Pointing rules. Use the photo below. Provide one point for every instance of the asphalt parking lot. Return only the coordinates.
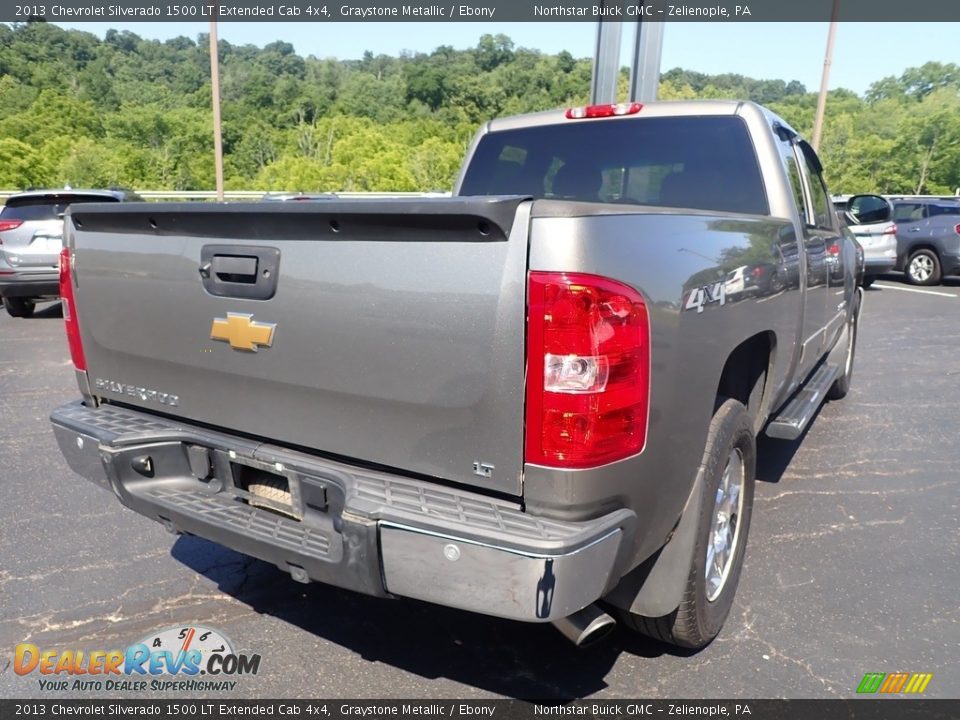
(852, 565)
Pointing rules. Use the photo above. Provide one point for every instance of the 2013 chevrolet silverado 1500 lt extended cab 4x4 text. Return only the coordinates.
(537, 399)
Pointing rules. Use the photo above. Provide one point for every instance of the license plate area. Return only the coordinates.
(268, 486)
(278, 488)
(268, 490)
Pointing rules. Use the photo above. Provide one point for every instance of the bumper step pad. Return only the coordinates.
(228, 511)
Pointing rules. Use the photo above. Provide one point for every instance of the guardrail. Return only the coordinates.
(247, 195)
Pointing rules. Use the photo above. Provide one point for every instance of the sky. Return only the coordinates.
(863, 53)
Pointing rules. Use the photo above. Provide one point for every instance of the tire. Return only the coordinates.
(19, 307)
(923, 267)
(708, 596)
(841, 386)
(867, 281)
(776, 283)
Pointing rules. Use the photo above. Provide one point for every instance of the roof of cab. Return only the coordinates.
(653, 109)
(666, 108)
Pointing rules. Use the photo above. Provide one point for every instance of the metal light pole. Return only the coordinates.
(645, 70)
(825, 78)
(606, 62)
(644, 66)
(217, 132)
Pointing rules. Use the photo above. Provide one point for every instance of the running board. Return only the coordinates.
(793, 419)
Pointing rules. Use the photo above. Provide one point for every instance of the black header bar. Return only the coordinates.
(479, 10)
(893, 708)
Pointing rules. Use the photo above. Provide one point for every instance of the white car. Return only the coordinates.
(869, 218)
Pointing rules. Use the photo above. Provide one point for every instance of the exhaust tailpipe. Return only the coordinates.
(586, 627)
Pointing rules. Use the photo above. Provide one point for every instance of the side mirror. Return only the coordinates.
(869, 209)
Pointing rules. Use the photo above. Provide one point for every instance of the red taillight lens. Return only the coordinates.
(70, 310)
(588, 370)
(9, 225)
(833, 249)
(956, 229)
(890, 229)
(602, 111)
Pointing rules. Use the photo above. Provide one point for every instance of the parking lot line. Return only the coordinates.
(906, 289)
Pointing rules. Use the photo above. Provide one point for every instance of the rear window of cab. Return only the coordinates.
(700, 162)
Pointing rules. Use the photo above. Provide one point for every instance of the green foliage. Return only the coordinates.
(19, 165)
(135, 112)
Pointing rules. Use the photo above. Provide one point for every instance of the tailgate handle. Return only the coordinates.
(240, 271)
(235, 268)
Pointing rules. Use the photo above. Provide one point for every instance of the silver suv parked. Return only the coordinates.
(31, 236)
(869, 219)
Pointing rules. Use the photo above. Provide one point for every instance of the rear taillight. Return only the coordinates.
(588, 370)
(956, 229)
(833, 249)
(70, 310)
(9, 225)
(602, 111)
(890, 229)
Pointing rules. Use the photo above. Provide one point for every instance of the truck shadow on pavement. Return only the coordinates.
(513, 659)
(774, 455)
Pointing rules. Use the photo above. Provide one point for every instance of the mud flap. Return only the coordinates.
(656, 586)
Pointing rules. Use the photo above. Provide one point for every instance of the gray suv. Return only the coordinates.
(31, 236)
(928, 238)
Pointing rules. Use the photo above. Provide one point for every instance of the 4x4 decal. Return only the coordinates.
(704, 295)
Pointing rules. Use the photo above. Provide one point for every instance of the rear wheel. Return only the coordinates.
(867, 281)
(923, 267)
(841, 386)
(776, 283)
(728, 467)
(19, 307)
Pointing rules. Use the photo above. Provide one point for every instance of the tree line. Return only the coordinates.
(129, 112)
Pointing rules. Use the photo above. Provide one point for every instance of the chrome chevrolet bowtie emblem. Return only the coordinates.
(240, 330)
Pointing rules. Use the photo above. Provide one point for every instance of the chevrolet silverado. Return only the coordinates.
(537, 399)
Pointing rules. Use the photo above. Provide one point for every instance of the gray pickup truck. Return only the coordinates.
(537, 399)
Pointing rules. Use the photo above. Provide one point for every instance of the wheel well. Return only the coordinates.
(746, 372)
(923, 246)
(920, 246)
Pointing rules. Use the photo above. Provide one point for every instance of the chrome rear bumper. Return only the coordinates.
(366, 530)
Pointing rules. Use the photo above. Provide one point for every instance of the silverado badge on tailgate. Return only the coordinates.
(242, 332)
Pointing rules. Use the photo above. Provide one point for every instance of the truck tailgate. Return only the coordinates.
(389, 332)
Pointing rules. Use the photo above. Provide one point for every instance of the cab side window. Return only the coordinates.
(796, 184)
(822, 209)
